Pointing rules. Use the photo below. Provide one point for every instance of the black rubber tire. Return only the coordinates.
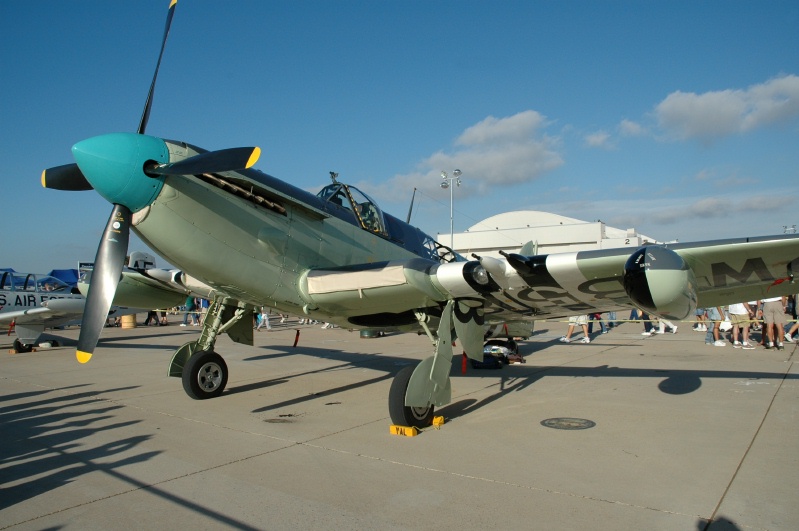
(204, 375)
(401, 414)
(21, 348)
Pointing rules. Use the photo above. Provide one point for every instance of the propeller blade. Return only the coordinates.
(105, 278)
(67, 177)
(211, 162)
(145, 117)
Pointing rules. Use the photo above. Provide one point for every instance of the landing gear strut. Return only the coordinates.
(204, 373)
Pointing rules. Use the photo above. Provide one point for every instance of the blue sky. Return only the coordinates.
(678, 118)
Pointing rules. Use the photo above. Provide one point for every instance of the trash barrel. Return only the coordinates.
(129, 321)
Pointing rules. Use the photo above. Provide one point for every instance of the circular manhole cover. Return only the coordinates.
(568, 423)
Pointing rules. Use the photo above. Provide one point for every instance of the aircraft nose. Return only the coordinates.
(114, 163)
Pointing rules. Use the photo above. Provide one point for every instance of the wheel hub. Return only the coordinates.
(419, 413)
(209, 376)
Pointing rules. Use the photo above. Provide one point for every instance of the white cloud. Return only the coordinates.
(495, 151)
(630, 128)
(502, 130)
(708, 217)
(730, 213)
(599, 139)
(710, 115)
(773, 101)
(724, 180)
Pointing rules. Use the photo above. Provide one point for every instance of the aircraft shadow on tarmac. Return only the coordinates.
(47, 444)
(350, 360)
(43, 446)
(509, 379)
(117, 342)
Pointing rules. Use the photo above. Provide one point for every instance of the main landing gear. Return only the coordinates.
(21, 348)
(427, 384)
(402, 415)
(203, 372)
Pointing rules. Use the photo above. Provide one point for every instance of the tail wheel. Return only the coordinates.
(204, 375)
(402, 415)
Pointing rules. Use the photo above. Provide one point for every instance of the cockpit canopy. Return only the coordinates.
(365, 210)
(348, 203)
(34, 283)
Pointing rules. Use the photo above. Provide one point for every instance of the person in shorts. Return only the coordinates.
(740, 315)
(774, 317)
(701, 320)
(575, 320)
(715, 315)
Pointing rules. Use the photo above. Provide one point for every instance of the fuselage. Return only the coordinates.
(251, 236)
(24, 291)
(255, 238)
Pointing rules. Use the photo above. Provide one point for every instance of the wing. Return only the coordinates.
(54, 310)
(458, 299)
(667, 280)
(141, 290)
(136, 292)
(30, 323)
(742, 270)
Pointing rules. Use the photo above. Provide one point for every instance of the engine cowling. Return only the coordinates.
(659, 281)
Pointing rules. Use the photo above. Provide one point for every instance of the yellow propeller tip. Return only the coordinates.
(83, 357)
(256, 154)
(43, 183)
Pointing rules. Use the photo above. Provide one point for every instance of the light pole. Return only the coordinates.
(448, 181)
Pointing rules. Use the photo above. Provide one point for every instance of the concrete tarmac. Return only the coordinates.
(685, 437)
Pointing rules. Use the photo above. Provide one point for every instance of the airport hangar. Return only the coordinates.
(551, 233)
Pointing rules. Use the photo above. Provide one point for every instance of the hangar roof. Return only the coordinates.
(523, 218)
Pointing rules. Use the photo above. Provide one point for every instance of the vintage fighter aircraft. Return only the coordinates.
(31, 303)
(256, 240)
